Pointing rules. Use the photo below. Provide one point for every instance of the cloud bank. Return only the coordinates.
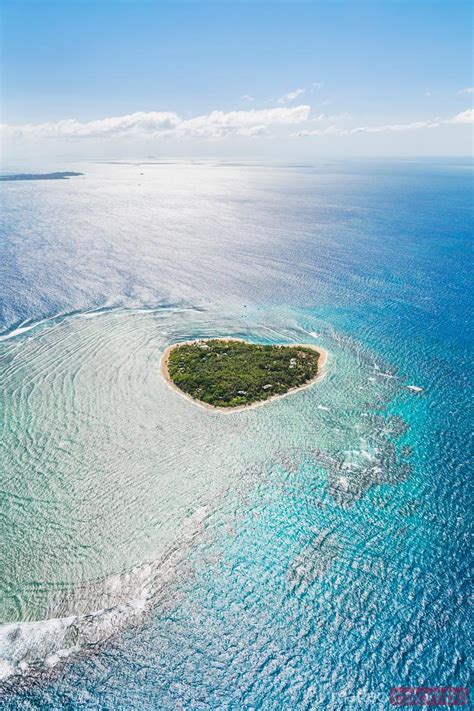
(166, 124)
(217, 125)
(465, 117)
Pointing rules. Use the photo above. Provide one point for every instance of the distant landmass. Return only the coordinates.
(40, 176)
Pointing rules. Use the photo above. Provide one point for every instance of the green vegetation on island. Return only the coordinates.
(228, 373)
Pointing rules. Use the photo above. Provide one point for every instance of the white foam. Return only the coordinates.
(27, 647)
(22, 328)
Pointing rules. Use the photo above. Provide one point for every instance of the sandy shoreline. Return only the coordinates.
(323, 357)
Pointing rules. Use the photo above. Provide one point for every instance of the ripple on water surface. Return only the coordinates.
(112, 476)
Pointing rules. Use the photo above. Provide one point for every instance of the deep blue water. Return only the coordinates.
(338, 566)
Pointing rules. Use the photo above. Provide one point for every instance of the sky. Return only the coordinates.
(250, 79)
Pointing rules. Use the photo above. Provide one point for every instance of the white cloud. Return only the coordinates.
(414, 125)
(338, 131)
(468, 90)
(216, 124)
(465, 117)
(243, 123)
(247, 97)
(139, 123)
(316, 85)
(331, 117)
(291, 96)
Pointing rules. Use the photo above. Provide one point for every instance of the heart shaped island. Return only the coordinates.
(231, 374)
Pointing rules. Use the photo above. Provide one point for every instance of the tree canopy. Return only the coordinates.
(228, 373)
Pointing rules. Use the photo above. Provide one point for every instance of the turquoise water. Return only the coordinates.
(308, 554)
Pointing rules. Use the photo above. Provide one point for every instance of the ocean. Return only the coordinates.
(311, 553)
